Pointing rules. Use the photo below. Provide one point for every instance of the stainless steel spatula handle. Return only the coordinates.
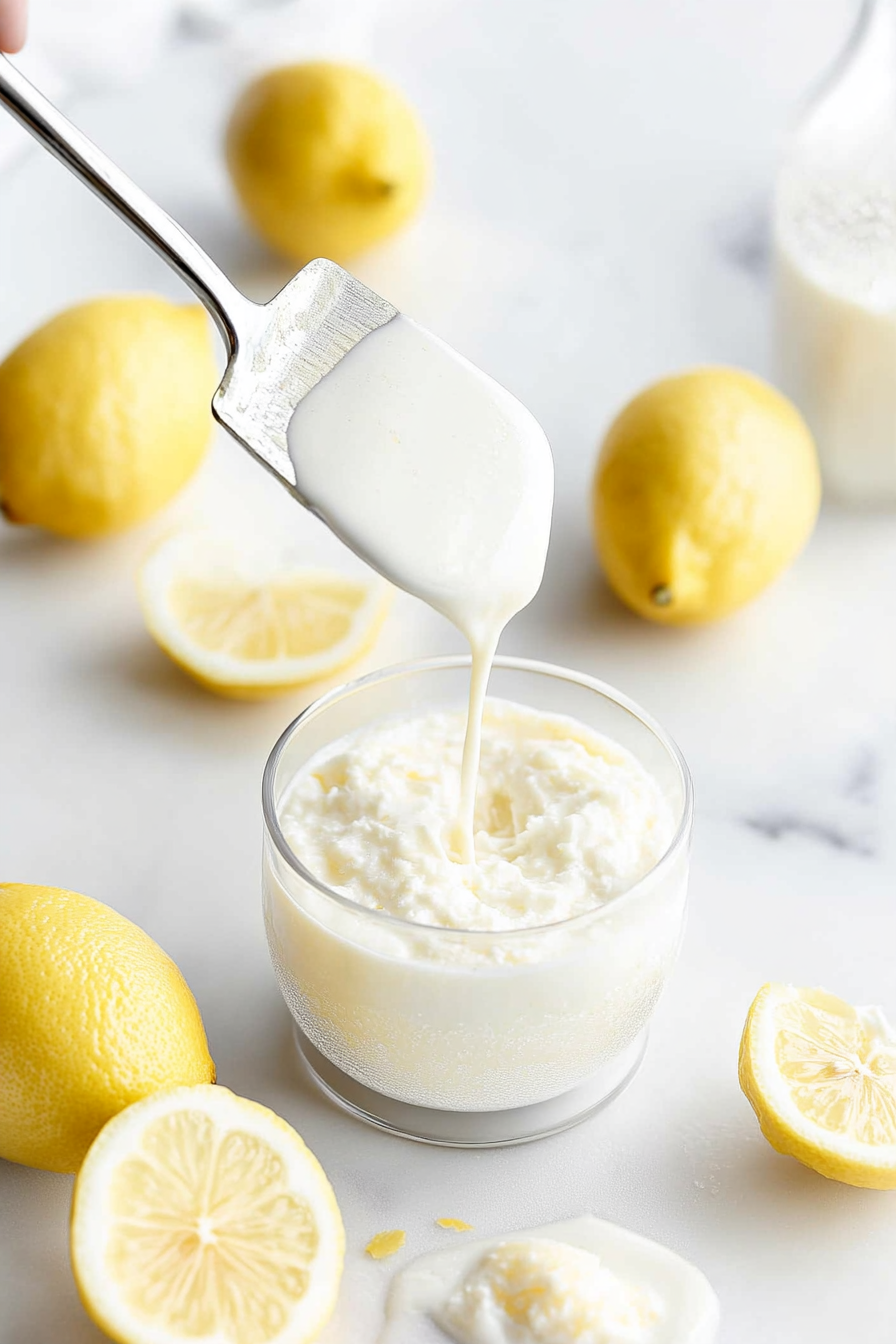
(229, 308)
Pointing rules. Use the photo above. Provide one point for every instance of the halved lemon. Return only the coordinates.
(248, 623)
(201, 1216)
(821, 1077)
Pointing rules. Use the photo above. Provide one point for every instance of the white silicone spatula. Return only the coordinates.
(276, 351)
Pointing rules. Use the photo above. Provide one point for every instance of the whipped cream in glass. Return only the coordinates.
(484, 1003)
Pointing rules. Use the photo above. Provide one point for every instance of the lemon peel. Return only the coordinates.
(93, 1016)
(706, 488)
(326, 158)
(105, 413)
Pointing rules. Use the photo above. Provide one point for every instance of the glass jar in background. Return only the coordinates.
(472, 1038)
(835, 264)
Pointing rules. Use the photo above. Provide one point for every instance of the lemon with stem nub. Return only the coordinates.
(707, 487)
(105, 412)
(327, 159)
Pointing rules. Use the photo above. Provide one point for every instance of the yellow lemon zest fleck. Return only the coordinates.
(385, 1244)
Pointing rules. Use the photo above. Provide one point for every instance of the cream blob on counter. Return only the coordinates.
(579, 1282)
(564, 820)
(438, 478)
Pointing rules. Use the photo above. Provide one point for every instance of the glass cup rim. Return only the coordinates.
(449, 663)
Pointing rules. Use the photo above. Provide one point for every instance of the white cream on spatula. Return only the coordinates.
(442, 481)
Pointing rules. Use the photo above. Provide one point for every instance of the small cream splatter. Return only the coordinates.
(385, 1244)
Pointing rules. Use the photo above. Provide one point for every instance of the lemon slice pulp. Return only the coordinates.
(250, 624)
(201, 1216)
(821, 1077)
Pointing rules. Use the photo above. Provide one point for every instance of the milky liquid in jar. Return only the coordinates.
(442, 481)
(835, 316)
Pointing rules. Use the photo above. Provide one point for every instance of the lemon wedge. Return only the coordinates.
(821, 1077)
(250, 624)
(199, 1215)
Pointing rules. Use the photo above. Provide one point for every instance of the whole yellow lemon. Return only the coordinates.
(93, 1016)
(104, 414)
(707, 487)
(326, 159)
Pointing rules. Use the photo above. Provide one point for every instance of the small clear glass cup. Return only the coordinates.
(472, 1038)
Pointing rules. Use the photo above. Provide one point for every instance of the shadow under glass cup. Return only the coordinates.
(472, 1038)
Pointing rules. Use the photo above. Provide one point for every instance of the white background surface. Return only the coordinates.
(597, 220)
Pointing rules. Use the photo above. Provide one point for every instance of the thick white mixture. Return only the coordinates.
(547, 1292)
(432, 472)
(565, 819)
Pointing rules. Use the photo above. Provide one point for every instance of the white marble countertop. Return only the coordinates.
(597, 220)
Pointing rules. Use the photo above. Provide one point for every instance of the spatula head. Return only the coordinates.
(284, 349)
